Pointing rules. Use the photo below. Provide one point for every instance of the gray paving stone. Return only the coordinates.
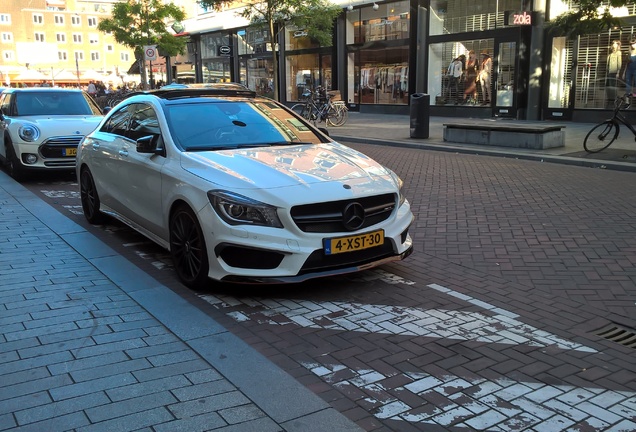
(7, 421)
(171, 370)
(119, 336)
(208, 404)
(130, 406)
(324, 420)
(60, 423)
(96, 321)
(75, 390)
(34, 362)
(110, 347)
(200, 423)
(204, 376)
(43, 350)
(241, 414)
(80, 333)
(171, 358)
(24, 402)
(7, 346)
(131, 422)
(148, 387)
(160, 339)
(35, 386)
(9, 356)
(109, 370)
(204, 389)
(154, 350)
(56, 409)
(40, 331)
(88, 362)
(128, 325)
(24, 376)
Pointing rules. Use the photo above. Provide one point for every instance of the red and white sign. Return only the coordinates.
(150, 52)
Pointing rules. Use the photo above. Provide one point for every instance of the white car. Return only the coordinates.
(42, 127)
(240, 189)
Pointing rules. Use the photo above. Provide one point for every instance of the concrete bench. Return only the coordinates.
(502, 133)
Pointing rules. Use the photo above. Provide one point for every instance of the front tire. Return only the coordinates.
(187, 248)
(302, 110)
(90, 198)
(14, 166)
(601, 136)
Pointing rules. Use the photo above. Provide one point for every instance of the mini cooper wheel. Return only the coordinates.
(90, 198)
(14, 166)
(187, 247)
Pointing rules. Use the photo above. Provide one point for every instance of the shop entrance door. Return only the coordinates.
(505, 82)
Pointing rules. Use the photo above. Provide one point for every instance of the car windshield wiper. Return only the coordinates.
(226, 147)
(284, 143)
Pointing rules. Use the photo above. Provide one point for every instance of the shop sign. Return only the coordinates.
(225, 51)
(519, 18)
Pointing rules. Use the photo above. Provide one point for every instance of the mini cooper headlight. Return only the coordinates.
(29, 133)
(239, 210)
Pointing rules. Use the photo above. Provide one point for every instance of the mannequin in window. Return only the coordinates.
(484, 77)
(470, 82)
(454, 73)
(630, 70)
(614, 65)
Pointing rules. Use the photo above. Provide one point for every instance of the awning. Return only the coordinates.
(134, 69)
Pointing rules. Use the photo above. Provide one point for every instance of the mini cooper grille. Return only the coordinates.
(331, 217)
(56, 147)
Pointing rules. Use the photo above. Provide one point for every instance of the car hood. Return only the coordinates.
(294, 165)
(62, 125)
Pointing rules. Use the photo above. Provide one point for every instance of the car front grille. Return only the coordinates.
(55, 147)
(329, 217)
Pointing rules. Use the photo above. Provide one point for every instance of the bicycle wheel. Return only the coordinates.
(601, 136)
(342, 114)
(302, 110)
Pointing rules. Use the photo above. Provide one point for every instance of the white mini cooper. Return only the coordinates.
(42, 127)
(241, 189)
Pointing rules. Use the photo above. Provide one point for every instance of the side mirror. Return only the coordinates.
(148, 144)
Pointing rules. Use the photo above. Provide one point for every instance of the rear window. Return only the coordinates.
(53, 103)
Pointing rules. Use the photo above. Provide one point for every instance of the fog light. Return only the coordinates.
(29, 158)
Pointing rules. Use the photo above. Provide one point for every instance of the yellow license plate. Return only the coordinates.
(353, 243)
(70, 152)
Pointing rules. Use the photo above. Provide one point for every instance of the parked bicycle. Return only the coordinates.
(321, 105)
(605, 133)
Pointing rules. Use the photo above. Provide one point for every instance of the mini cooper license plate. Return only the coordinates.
(353, 243)
(69, 152)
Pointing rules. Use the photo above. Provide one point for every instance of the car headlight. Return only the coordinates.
(239, 210)
(29, 133)
(399, 183)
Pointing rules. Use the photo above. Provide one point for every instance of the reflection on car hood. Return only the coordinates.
(66, 125)
(283, 166)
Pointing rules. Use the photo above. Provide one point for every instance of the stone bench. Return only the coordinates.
(503, 133)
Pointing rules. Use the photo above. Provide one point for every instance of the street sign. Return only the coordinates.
(150, 52)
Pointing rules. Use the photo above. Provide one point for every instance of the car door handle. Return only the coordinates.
(123, 152)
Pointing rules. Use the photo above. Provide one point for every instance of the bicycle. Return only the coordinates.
(318, 106)
(605, 133)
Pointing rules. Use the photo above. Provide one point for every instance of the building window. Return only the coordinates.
(77, 37)
(469, 16)
(7, 37)
(124, 57)
(110, 48)
(59, 19)
(93, 39)
(7, 55)
(94, 55)
(253, 41)
(38, 18)
(79, 55)
(92, 22)
(76, 20)
(62, 55)
(5, 19)
(39, 36)
(60, 37)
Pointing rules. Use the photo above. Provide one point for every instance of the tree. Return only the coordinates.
(586, 17)
(137, 23)
(316, 17)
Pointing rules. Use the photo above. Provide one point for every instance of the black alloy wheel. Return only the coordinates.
(90, 198)
(14, 166)
(187, 247)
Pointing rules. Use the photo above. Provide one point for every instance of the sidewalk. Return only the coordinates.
(394, 129)
(89, 342)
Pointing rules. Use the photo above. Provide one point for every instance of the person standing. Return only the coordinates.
(92, 89)
(484, 77)
(470, 82)
(614, 65)
(630, 70)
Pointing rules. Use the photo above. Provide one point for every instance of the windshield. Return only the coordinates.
(222, 124)
(53, 103)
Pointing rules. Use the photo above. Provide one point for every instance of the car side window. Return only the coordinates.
(143, 122)
(117, 123)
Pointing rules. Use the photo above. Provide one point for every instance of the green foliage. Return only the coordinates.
(136, 23)
(584, 18)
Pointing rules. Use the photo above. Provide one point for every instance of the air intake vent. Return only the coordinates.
(619, 334)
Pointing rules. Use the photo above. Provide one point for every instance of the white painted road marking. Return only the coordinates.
(394, 320)
(480, 404)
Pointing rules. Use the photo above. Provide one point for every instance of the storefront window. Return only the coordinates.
(253, 41)
(297, 39)
(378, 54)
(258, 75)
(460, 72)
(459, 17)
(216, 71)
(306, 72)
(561, 58)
